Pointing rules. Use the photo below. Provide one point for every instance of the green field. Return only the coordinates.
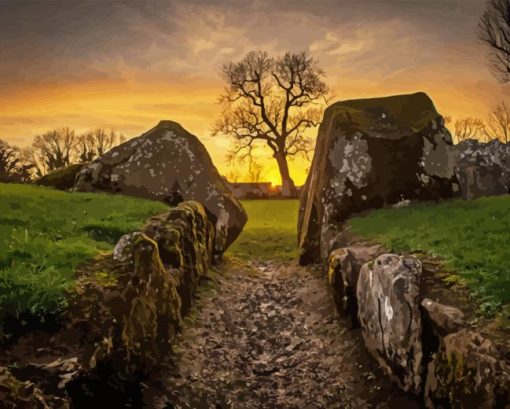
(473, 237)
(45, 234)
(270, 232)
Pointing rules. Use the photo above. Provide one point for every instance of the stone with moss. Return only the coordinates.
(372, 153)
(467, 371)
(150, 285)
(171, 165)
(185, 238)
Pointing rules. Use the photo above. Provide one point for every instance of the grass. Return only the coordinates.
(473, 237)
(270, 233)
(45, 234)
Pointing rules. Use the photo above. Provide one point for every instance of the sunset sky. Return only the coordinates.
(127, 65)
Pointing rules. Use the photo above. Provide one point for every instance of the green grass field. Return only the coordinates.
(473, 237)
(270, 232)
(45, 234)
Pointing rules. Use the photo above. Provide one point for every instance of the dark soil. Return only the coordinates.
(269, 337)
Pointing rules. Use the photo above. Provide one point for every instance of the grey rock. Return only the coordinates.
(483, 169)
(344, 266)
(168, 164)
(444, 318)
(372, 153)
(388, 310)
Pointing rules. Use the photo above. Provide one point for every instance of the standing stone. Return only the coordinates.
(372, 153)
(168, 164)
(388, 310)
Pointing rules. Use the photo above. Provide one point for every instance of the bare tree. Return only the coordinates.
(469, 128)
(96, 143)
(54, 150)
(255, 172)
(272, 102)
(498, 125)
(494, 30)
(13, 166)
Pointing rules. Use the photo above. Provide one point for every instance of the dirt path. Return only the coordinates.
(269, 337)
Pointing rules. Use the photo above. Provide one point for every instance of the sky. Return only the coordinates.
(127, 65)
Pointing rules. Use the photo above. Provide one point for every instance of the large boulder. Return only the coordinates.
(390, 318)
(371, 153)
(483, 169)
(168, 164)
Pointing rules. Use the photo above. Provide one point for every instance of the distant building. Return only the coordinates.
(253, 190)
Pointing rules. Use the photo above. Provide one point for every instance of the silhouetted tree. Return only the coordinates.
(469, 128)
(54, 150)
(494, 30)
(13, 166)
(96, 143)
(255, 172)
(272, 101)
(498, 125)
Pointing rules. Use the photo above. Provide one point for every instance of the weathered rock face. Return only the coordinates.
(156, 272)
(483, 169)
(443, 318)
(168, 164)
(185, 240)
(344, 267)
(388, 310)
(467, 372)
(371, 153)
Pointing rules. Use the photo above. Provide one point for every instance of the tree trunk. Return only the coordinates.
(288, 187)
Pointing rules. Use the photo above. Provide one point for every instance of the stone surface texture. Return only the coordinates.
(389, 314)
(168, 164)
(372, 153)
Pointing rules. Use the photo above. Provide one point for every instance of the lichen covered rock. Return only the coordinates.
(371, 153)
(168, 164)
(388, 311)
(467, 372)
(483, 169)
(159, 269)
(185, 240)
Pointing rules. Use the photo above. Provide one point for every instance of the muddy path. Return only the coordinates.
(268, 336)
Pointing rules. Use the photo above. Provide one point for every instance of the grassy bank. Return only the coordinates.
(471, 236)
(45, 234)
(270, 232)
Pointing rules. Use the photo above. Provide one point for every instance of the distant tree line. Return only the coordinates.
(497, 126)
(53, 150)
